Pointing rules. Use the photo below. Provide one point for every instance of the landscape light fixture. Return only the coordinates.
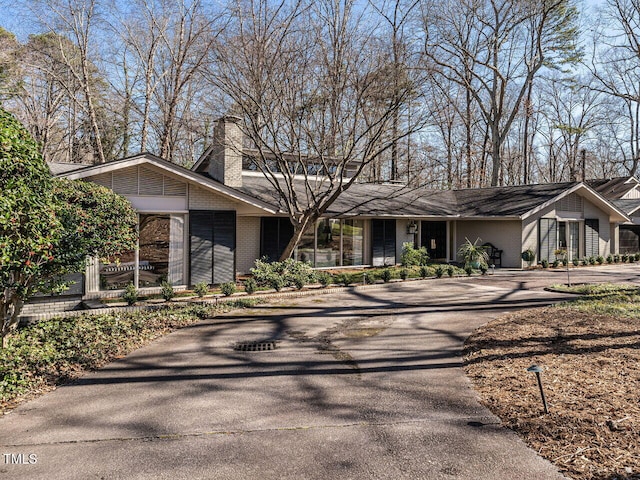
(537, 370)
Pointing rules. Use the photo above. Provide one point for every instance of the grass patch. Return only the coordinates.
(53, 352)
(596, 288)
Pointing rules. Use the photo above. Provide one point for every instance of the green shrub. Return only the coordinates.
(637, 255)
(424, 272)
(600, 259)
(451, 270)
(276, 282)
(283, 274)
(484, 268)
(130, 294)
(386, 275)
(575, 262)
(556, 263)
(592, 260)
(440, 271)
(323, 278)
(228, 288)
(250, 286)
(404, 273)
(609, 258)
(299, 281)
(624, 258)
(616, 258)
(545, 263)
(413, 257)
(166, 291)
(201, 289)
(468, 270)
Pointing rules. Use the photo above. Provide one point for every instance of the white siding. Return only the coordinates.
(201, 199)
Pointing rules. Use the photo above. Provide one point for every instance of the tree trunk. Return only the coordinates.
(298, 231)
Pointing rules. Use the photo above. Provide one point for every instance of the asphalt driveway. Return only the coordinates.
(365, 384)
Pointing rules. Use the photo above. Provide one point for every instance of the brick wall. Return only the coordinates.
(247, 243)
(201, 199)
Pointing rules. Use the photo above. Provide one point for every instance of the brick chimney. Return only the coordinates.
(225, 160)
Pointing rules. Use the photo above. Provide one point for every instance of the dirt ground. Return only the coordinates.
(591, 379)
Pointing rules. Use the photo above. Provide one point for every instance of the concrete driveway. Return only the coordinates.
(365, 384)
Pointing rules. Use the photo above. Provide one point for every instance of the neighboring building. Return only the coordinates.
(211, 223)
(624, 192)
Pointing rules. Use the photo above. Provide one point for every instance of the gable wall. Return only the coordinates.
(589, 210)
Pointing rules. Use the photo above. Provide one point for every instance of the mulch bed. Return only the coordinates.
(591, 380)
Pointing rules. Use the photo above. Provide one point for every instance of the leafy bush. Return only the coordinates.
(575, 262)
(130, 294)
(451, 270)
(386, 275)
(440, 271)
(609, 258)
(201, 289)
(468, 270)
(250, 286)
(413, 257)
(556, 263)
(624, 258)
(166, 291)
(282, 274)
(299, 281)
(616, 258)
(277, 283)
(545, 263)
(323, 278)
(404, 273)
(637, 255)
(592, 260)
(600, 259)
(228, 288)
(424, 272)
(484, 268)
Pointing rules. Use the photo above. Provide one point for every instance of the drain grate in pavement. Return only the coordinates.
(255, 346)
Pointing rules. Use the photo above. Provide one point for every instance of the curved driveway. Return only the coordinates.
(364, 384)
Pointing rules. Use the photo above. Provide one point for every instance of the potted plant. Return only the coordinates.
(473, 254)
(528, 255)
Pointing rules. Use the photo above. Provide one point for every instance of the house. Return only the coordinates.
(212, 222)
(624, 193)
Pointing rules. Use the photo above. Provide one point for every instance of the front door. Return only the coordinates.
(434, 238)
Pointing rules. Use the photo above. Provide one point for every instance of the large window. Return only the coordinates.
(160, 242)
(353, 242)
(329, 243)
(329, 240)
(153, 264)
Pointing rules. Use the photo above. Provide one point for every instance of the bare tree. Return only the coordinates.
(615, 65)
(306, 82)
(494, 49)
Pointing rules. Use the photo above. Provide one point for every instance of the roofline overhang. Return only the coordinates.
(184, 173)
(615, 214)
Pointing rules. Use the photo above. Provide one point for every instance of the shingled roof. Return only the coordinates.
(613, 188)
(379, 200)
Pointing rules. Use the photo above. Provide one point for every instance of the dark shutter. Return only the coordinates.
(201, 250)
(548, 238)
(592, 237)
(212, 246)
(275, 234)
(434, 238)
(224, 247)
(383, 242)
(390, 242)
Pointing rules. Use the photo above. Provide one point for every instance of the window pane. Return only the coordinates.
(154, 250)
(118, 274)
(305, 249)
(352, 242)
(328, 252)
